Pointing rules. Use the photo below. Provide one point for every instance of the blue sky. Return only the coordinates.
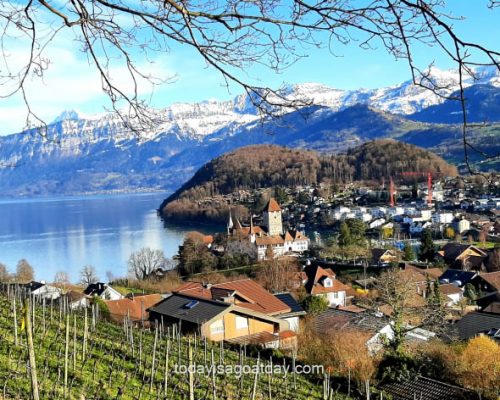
(71, 84)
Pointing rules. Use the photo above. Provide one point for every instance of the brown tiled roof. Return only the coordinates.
(413, 274)
(208, 239)
(431, 273)
(352, 308)
(269, 240)
(493, 279)
(255, 229)
(449, 288)
(261, 299)
(336, 287)
(73, 295)
(272, 205)
(315, 274)
(135, 308)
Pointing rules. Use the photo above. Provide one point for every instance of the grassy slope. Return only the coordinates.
(113, 369)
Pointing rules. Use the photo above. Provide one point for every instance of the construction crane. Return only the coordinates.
(392, 199)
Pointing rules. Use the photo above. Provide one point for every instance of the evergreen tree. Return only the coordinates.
(427, 249)
(408, 253)
(344, 235)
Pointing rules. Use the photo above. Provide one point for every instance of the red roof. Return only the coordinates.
(135, 308)
(273, 206)
(315, 277)
(493, 279)
(250, 293)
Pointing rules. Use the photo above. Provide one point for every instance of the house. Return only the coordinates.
(488, 282)
(461, 225)
(102, 290)
(479, 323)
(425, 388)
(42, 291)
(416, 228)
(457, 277)
(269, 240)
(490, 303)
(296, 311)
(382, 257)
(377, 328)
(452, 293)
(133, 309)
(323, 282)
(376, 223)
(245, 293)
(77, 300)
(463, 256)
(219, 320)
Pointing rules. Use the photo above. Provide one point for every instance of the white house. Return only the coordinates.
(102, 290)
(452, 293)
(376, 223)
(461, 225)
(42, 290)
(323, 282)
(442, 218)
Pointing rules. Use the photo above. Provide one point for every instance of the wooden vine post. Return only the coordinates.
(31, 349)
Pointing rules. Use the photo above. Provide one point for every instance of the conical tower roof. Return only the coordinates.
(272, 205)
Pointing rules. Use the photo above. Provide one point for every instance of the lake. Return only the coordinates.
(65, 234)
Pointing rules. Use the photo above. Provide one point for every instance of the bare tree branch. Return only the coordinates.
(231, 36)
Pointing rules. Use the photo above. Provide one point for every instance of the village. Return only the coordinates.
(420, 270)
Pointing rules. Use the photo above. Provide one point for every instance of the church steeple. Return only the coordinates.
(230, 223)
(252, 232)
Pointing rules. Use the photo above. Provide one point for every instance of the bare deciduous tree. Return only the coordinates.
(4, 273)
(61, 278)
(24, 271)
(88, 275)
(145, 261)
(398, 290)
(230, 36)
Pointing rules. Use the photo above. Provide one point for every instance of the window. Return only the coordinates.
(241, 322)
(217, 327)
(327, 282)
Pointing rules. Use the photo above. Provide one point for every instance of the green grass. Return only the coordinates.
(116, 368)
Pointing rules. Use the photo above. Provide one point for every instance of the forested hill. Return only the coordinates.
(268, 165)
(385, 158)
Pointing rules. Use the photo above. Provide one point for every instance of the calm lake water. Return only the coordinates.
(64, 234)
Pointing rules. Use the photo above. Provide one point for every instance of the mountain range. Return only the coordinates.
(98, 154)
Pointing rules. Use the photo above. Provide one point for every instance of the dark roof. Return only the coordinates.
(203, 310)
(452, 250)
(377, 253)
(475, 323)
(490, 303)
(32, 286)
(95, 289)
(288, 299)
(425, 389)
(334, 318)
(457, 275)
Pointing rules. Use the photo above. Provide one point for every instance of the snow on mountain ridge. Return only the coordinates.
(198, 120)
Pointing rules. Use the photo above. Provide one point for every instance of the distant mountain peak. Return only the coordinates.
(67, 115)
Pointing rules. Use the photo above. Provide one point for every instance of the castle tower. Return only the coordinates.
(272, 218)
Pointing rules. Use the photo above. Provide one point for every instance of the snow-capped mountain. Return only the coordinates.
(99, 153)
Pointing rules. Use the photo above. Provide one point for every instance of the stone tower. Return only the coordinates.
(272, 218)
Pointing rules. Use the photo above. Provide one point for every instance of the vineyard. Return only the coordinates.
(50, 352)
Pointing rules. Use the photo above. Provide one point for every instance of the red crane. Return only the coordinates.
(391, 193)
(429, 182)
